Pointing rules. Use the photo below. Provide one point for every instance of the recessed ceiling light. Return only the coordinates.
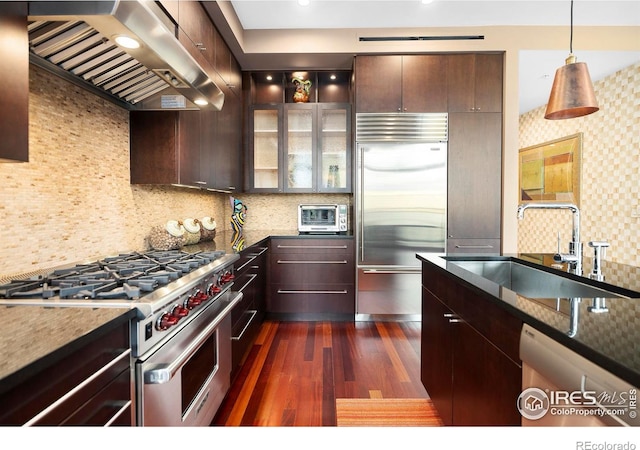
(333, 77)
(126, 42)
(269, 78)
(201, 102)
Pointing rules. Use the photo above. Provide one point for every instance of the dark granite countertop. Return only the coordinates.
(610, 339)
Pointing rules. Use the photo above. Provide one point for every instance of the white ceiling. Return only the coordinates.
(282, 14)
(536, 67)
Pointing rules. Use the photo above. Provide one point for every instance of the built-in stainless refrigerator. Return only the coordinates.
(401, 209)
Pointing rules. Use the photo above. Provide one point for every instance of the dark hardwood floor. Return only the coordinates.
(295, 371)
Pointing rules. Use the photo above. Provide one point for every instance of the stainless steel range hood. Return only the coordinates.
(76, 39)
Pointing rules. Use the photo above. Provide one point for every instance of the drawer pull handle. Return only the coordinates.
(287, 261)
(474, 246)
(249, 261)
(117, 415)
(343, 247)
(287, 291)
(253, 315)
(392, 272)
(253, 277)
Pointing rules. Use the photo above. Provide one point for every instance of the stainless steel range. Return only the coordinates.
(181, 338)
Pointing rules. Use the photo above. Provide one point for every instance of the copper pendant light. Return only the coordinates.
(572, 91)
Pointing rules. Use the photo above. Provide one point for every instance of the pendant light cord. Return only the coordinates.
(571, 32)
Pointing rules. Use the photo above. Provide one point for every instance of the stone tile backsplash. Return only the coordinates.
(72, 201)
(610, 201)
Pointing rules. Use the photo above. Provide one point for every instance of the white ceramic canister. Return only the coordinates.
(207, 229)
(192, 231)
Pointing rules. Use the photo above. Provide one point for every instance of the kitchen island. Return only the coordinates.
(610, 339)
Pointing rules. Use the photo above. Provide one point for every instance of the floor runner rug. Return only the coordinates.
(386, 412)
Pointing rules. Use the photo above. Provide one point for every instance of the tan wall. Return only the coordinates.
(610, 185)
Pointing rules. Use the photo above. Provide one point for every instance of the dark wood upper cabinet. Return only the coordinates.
(474, 176)
(197, 33)
(378, 86)
(401, 83)
(189, 148)
(424, 83)
(193, 148)
(475, 82)
(14, 89)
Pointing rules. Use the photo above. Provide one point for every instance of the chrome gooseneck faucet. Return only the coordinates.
(574, 257)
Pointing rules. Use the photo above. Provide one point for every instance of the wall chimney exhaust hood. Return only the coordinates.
(76, 40)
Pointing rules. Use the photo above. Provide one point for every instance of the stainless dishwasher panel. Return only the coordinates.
(578, 392)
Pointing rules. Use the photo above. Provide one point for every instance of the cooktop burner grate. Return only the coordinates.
(126, 276)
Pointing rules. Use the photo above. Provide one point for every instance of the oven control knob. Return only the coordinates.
(166, 321)
(226, 277)
(192, 302)
(214, 289)
(201, 296)
(179, 311)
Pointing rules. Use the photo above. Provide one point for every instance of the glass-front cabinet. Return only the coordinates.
(300, 147)
(334, 148)
(267, 135)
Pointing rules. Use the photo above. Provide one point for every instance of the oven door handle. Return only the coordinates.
(164, 372)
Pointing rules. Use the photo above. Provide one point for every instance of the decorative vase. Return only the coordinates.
(302, 90)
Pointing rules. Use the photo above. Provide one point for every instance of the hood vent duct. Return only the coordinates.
(75, 39)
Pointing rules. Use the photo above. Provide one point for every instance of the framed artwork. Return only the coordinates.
(550, 172)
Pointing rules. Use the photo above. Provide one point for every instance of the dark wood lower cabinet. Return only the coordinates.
(469, 360)
(247, 316)
(436, 357)
(311, 278)
(91, 386)
(486, 383)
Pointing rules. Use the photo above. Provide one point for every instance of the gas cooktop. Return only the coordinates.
(126, 280)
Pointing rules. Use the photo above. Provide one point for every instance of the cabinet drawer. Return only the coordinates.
(111, 406)
(319, 298)
(311, 268)
(326, 246)
(479, 246)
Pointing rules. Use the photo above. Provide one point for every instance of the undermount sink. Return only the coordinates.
(529, 281)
